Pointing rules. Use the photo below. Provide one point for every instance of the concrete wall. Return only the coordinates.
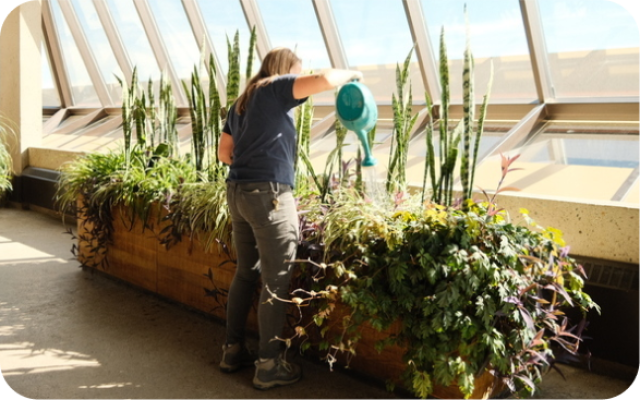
(21, 79)
(604, 230)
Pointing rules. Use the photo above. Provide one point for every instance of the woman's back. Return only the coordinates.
(264, 136)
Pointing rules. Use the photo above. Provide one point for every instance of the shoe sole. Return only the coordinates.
(264, 386)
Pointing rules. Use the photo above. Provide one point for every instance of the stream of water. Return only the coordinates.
(373, 185)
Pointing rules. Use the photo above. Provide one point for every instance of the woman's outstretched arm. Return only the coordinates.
(307, 85)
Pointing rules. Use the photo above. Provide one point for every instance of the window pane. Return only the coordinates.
(574, 160)
(177, 35)
(82, 88)
(493, 132)
(293, 24)
(496, 34)
(592, 47)
(50, 97)
(135, 40)
(223, 18)
(375, 35)
(100, 47)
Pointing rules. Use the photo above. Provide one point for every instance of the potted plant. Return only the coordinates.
(136, 219)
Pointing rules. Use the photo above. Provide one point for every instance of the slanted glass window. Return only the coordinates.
(576, 160)
(493, 132)
(223, 18)
(592, 47)
(293, 24)
(100, 47)
(376, 37)
(134, 39)
(497, 36)
(82, 88)
(177, 35)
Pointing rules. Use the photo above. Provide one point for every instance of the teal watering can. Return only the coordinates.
(357, 111)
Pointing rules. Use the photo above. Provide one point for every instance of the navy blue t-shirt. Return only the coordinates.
(264, 136)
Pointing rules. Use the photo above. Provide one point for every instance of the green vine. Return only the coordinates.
(472, 291)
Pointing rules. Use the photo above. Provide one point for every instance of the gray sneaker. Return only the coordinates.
(275, 372)
(236, 356)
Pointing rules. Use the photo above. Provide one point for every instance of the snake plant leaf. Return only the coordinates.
(233, 77)
(468, 110)
(405, 72)
(444, 85)
(250, 53)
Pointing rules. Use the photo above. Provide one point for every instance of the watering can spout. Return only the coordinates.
(357, 110)
(368, 160)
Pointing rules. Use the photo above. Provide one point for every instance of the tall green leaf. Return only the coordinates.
(252, 47)
(468, 107)
(233, 77)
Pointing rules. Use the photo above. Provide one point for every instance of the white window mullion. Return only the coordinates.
(85, 52)
(537, 50)
(423, 48)
(159, 48)
(329, 29)
(114, 38)
(194, 15)
(252, 14)
(58, 67)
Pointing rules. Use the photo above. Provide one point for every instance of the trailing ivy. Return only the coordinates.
(473, 292)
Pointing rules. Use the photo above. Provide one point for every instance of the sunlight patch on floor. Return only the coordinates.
(23, 358)
(14, 252)
(108, 385)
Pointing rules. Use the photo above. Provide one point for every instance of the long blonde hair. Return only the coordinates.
(277, 62)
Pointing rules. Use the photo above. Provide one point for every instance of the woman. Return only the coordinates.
(259, 144)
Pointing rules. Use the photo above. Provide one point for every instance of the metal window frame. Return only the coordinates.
(52, 123)
(626, 186)
(424, 49)
(58, 67)
(81, 122)
(115, 40)
(87, 55)
(537, 50)
(201, 34)
(330, 34)
(159, 48)
(521, 132)
(254, 18)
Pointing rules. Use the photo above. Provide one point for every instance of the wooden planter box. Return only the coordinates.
(180, 273)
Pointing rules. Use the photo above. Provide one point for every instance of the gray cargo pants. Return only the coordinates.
(265, 234)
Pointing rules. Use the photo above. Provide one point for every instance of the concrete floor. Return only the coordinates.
(66, 333)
